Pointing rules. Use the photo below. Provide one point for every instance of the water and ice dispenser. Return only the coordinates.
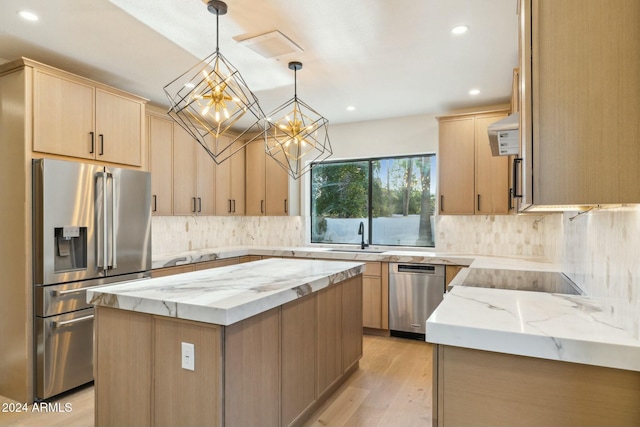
(70, 248)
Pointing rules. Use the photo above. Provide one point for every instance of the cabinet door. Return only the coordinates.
(230, 184)
(161, 151)
(118, 129)
(224, 204)
(277, 188)
(184, 177)
(456, 166)
(252, 371)
(238, 180)
(298, 357)
(586, 103)
(329, 320)
(63, 114)
(255, 178)
(205, 186)
(351, 321)
(491, 172)
(372, 302)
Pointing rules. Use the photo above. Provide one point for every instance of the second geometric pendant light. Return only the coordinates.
(298, 134)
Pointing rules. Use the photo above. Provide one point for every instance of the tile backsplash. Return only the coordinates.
(186, 233)
(601, 253)
(501, 235)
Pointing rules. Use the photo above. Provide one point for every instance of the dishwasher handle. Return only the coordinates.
(416, 268)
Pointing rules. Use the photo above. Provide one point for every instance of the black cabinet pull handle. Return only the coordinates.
(199, 204)
(155, 203)
(510, 199)
(194, 204)
(261, 206)
(101, 136)
(516, 162)
(229, 206)
(92, 143)
(234, 206)
(478, 204)
(286, 210)
(441, 203)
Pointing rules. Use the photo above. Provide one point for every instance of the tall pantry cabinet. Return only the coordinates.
(47, 112)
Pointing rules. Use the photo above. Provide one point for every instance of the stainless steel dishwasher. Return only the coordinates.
(415, 290)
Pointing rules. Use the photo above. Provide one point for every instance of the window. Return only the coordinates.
(393, 197)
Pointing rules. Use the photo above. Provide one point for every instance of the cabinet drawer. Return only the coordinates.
(372, 269)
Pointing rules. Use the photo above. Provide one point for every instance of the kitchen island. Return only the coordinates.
(261, 343)
(523, 358)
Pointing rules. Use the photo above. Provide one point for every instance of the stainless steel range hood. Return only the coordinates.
(504, 136)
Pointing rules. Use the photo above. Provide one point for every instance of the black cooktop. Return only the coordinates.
(536, 281)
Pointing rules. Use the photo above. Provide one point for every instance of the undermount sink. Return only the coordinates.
(364, 251)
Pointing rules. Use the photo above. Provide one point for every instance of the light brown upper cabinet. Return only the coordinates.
(74, 117)
(193, 176)
(160, 137)
(267, 185)
(580, 104)
(230, 182)
(471, 180)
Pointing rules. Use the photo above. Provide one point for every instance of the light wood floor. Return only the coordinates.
(391, 388)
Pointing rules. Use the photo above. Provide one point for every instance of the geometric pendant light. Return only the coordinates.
(211, 97)
(298, 135)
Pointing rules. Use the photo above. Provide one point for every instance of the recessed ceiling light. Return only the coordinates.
(29, 16)
(460, 29)
(351, 108)
(474, 91)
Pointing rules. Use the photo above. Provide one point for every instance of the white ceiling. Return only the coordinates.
(386, 58)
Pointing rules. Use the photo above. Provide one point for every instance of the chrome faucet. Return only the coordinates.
(361, 233)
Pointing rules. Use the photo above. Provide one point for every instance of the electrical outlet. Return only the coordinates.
(188, 356)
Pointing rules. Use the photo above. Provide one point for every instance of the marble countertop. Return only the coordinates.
(561, 327)
(351, 253)
(225, 295)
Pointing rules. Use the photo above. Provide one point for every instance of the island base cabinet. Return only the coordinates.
(122, 370)
(201, 388)
(481, 388)
(271, 369)
(252, 371)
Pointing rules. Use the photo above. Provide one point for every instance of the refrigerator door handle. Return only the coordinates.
(101, 221)
(113, 255)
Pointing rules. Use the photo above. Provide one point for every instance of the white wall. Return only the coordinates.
(381, 138)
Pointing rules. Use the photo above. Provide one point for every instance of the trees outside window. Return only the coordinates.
(393, 197)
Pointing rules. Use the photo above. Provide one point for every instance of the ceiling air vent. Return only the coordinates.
(273, 44)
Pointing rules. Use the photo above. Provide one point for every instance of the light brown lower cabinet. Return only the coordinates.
(482, 388)
(169, 271)
(272, 369)
(375, 296)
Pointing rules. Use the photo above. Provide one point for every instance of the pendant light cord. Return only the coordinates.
(217, 31)
(295, 83)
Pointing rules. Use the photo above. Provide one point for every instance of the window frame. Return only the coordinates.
(369, 221)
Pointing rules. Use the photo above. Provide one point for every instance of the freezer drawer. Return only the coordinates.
(415, 290)
(64, 352)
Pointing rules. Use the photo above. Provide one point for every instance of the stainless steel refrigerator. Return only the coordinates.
(91, 226)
